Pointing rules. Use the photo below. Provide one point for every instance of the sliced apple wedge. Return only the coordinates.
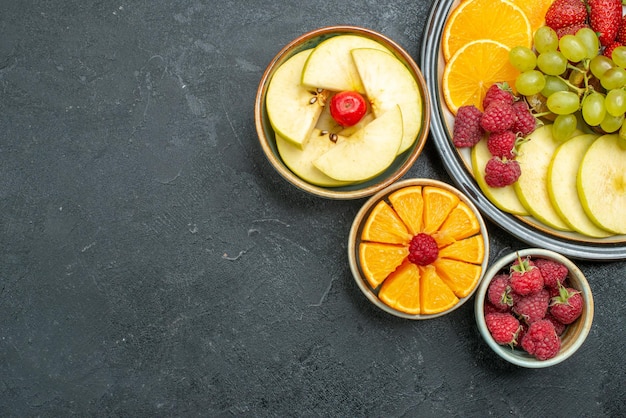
(504, 198)
(532, 186)
(367, 153)
(562, 188)
(292, 109)
(300, 160)
(389, 83)
(602, 183)
(331, 67)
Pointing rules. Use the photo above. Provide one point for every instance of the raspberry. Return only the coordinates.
(499, 292)
(525, 122)
(467, 130)
(423, 249)
(502, 144)
(499, 92)
(553, 272)
(567, 306)
(503, 327)
(490, 308)
(541, 340)
(534, 307)
(608, 51)
(559, 327)
(501, 173)
(525, 278)
(498, 117)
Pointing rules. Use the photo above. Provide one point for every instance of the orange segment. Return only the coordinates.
(379, 260)
(472, 70)
(460, 276)
(499, 20)
(535, 11)
(384, 225)
(408, 204)
(461, 223)
(470, 249)
(438, 203)
(436, 295)
(401, 290)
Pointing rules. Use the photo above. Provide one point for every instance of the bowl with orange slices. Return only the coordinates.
(342, 112)
(418, 249)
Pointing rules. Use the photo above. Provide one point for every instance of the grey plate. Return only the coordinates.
(455, 166)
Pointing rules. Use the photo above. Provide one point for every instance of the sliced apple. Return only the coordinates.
(389, 83)
(504, 198)
(532, 186)
(602, 183)
(367, 153)
(300, 160)
(331, 67)
(292, 109)
(562, 188)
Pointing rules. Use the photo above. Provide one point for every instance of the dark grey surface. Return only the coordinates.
(153, 264)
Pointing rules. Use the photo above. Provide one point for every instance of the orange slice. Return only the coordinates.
(408, 204)
(436, 295)
(461, 223)
(384, 225)
(535, 11)
(470, 249)
(459, 276)
(379, 260)
(499, 20)
(438, 203)
(472, 70)
(401, 290)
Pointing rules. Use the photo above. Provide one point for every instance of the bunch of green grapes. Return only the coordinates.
(573, 80)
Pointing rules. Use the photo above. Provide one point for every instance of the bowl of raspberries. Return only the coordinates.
(534, 308)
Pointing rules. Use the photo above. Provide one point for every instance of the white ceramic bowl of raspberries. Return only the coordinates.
(534, 308)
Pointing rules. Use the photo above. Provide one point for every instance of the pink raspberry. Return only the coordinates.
(525, 278)
(501, 173)
(541, 340)
(559, 327)
(498, 92)
(502, 144)
(525, 122)
(567, 306)
(503, 327)
(499, 292)
(423, 249)
(498, 117)
(533, 307)
(467, 130)
(553, 272)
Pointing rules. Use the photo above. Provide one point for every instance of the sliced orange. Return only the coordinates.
(438, 203)
(384, 225)
(470, 249)
(472, 70)
(408, 203)
(401, 290)
(459, 276)
(499, 20)
(379, 260)
(461, 223)
(436, 295)
(535, 11)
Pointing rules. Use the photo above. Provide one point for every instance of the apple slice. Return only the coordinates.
(504, 198)
(532, 186)
(562, 188)
(300, 160)
(367, 153)
(602, 183)
(292, 109)
(331, 67)
(389, 83)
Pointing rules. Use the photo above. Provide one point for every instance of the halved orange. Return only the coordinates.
(472, 70)
(459, 276)
(499, 20)
(401, 290)
(436, 295)
(408, 203)
(379, 260)
(470, 249)
(438, 203)
(384, 225)
(461, 223)
(535, 11)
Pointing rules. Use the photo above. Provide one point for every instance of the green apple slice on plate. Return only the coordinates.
(532, 186)
(562, 188)
(389, 83)
(292, 109)
(601, 183)
(504, 198)
(331, 67)
(367, 152)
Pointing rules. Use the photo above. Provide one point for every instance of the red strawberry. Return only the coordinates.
(467, 130)
(571, 29)
(526, 278)
(563, 13)
(605, 17)
(503, 327)
(502, 144)
(499, 92)
(567, 306)
(499, 292)
(533, 307)
(498, 117)
(553, 272)
(541, 340)
(501, 173)
(621, 33)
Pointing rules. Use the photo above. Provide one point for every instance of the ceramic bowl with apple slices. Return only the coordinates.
(331, 154)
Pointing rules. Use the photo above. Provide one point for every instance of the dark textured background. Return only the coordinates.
(153, 264)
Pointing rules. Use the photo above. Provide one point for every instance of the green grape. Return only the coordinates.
(546, 39)
(622, 136)
(615, 102)
(613, 78)
(563, 102)
(564, 127)
(522, 58)
(611, 123)
(593, 109)
(530, 82)
(599, 65)
(552, 63)
(553, 84)
(573, 48)
(590, 40)
(619, 56)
